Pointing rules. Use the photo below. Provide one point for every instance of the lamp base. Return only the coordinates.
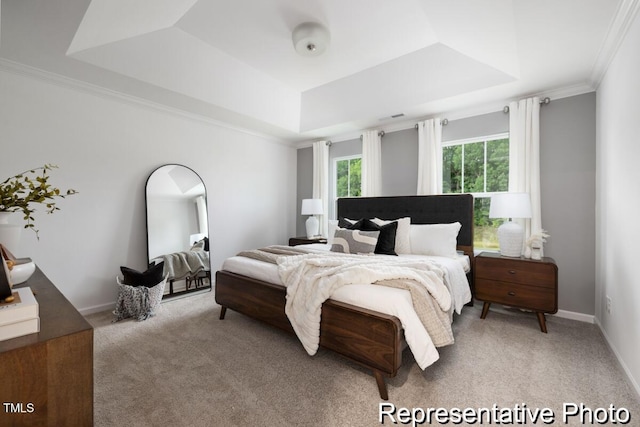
(510, 238)
(313, 226)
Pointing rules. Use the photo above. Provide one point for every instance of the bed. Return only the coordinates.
(192, 266)
(368, 337)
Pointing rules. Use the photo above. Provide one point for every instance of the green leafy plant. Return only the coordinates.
(21, 192)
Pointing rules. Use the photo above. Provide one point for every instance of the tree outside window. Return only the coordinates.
(348, 174)
(479, 166)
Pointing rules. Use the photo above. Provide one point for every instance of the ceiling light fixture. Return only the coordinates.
(310, 39)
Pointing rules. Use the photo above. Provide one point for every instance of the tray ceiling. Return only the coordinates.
(235, 62)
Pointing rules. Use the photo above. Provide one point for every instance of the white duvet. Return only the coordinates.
(392, 301)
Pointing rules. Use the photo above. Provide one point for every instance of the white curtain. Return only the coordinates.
(524, 157)
(321, 182)
(201, 208)
(371, 164)
(429, 157)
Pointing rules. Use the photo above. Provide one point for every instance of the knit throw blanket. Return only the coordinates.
(271, 254)
(139, 302)
(179, 265)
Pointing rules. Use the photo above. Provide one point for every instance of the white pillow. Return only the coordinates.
(333, 224)
(434, 239)
(403, 238)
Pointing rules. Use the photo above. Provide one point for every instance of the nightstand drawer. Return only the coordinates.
(531, 297)
(515, 271)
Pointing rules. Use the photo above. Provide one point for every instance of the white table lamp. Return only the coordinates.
(195, 238)
(510, 234)
(312, 207)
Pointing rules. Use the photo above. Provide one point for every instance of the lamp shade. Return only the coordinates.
(311, 206)
(195, 238)
(510, 205)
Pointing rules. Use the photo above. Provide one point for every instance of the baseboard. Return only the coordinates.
(112, 305)
(588, 318)
(97, 308)
(634, 384)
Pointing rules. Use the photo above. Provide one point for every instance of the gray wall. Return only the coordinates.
(472, 127)
(568, 182)
(305, 186)
(567, 162)
(399, 163)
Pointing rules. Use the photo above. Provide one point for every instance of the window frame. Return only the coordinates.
(502, 135)
(476, 195)
(334, 175)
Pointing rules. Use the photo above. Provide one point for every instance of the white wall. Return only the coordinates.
(105, 148)
(618, 204)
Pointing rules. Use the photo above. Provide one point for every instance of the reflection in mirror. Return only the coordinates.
(178, 228)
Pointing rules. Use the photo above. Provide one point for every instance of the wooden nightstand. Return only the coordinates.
(303, 240)
(517, 282)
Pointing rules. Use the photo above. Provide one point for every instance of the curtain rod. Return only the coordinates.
(380, 134)
(444, 123)
(544, 101)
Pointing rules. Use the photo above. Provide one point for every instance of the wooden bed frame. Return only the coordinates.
(372, 339)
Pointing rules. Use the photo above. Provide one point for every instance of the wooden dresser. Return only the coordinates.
(517, 282)
(46, 379)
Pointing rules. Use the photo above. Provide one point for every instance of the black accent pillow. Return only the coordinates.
(206, 244)
(386, 240)
(343, 223)
(149, 278)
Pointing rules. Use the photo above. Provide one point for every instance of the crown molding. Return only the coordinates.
(625, 14)
(92, 89)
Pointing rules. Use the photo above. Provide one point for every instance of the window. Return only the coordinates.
(347, 176)
(479, 166)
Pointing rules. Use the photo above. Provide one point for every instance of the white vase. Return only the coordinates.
(9, 233)
(536, 252)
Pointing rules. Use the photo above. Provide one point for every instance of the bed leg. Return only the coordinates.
(382, 386)
(223, 311)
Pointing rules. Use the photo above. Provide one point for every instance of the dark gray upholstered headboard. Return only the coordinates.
(422, 210)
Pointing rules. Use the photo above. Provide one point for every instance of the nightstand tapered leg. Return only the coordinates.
(485, 309)
(542, 322)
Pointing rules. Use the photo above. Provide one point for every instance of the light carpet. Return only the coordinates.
(185, 367)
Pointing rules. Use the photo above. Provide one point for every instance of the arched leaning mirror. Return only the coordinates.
(178, 228)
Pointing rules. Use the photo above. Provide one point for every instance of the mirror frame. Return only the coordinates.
(172, 293)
